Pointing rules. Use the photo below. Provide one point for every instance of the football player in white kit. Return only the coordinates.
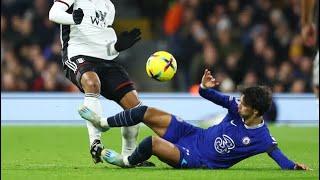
(90, 48)
(309, 32)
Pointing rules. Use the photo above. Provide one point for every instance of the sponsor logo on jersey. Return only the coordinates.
(224, 144)
(99, 19)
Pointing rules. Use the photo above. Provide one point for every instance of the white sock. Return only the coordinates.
(104, 122)
(129, 139)
(126, 161)
(92, 102)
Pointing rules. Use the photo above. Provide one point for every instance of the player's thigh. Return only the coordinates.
(165, 151)
(115, 84)
(77, 67)
(157, 120)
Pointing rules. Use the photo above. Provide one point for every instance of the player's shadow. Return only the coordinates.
(172, 169)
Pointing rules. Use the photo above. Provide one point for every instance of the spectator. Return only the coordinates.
(208, 58)
(298, 86)
(250, 79)
(242, 41)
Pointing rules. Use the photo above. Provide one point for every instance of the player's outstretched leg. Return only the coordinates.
(92, 117)
(155, 119)
(90, 83)
(157, 146)
(142, 153)
(125, 118)
(113, 157)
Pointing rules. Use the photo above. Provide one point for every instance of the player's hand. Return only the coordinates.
(208, 81)
(77, 15)
(127, 39)
(308, 34)
(299, 166)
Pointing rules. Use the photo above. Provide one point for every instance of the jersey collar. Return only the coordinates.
(253, 127)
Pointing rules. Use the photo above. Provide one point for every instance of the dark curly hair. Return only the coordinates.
(258, 97)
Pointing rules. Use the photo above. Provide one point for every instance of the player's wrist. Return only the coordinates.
(203, 86)
(295, 166)
(112, 49)
(118, 46)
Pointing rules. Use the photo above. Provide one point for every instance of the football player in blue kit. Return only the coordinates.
(241, 134)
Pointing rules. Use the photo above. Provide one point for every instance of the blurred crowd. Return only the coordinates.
(243, 42)
(30, 48)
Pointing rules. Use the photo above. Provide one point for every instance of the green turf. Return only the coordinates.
(62, 153)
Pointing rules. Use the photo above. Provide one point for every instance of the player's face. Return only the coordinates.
(244, 110)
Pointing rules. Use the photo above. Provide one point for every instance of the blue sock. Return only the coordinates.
(128, 117)
(142, 153)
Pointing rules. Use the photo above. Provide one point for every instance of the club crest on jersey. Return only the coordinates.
(246, 140)
(223, 145)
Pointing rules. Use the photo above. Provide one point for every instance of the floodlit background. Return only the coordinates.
(243, 42)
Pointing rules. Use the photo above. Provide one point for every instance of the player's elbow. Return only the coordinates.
(201, 91)
(52, 15)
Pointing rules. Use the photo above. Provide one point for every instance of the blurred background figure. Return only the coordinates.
(309, 32)
(242, 42)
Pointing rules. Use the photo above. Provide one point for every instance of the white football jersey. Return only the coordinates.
(94, 36)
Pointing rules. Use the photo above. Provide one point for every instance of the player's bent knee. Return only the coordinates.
(150, 114)
(91, 84)
(165, 151)
(157, 118)
(155, 142)
(147, 115)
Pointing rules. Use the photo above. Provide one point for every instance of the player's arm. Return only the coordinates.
(206, 91)
(276, 154)
(59, 15)
(127, 39)
(307, 9)
(308, 30)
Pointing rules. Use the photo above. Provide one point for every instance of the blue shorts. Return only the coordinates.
(184, 136)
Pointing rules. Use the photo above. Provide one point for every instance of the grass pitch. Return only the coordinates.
(62, 152)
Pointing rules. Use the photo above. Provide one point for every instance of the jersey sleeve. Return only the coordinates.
(58, 12)
(282, 160)
(228, 102)
(276, 154)
(68, 3)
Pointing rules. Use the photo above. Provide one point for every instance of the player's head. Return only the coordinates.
(254, 101)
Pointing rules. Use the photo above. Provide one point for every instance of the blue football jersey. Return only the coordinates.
(231, 141)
